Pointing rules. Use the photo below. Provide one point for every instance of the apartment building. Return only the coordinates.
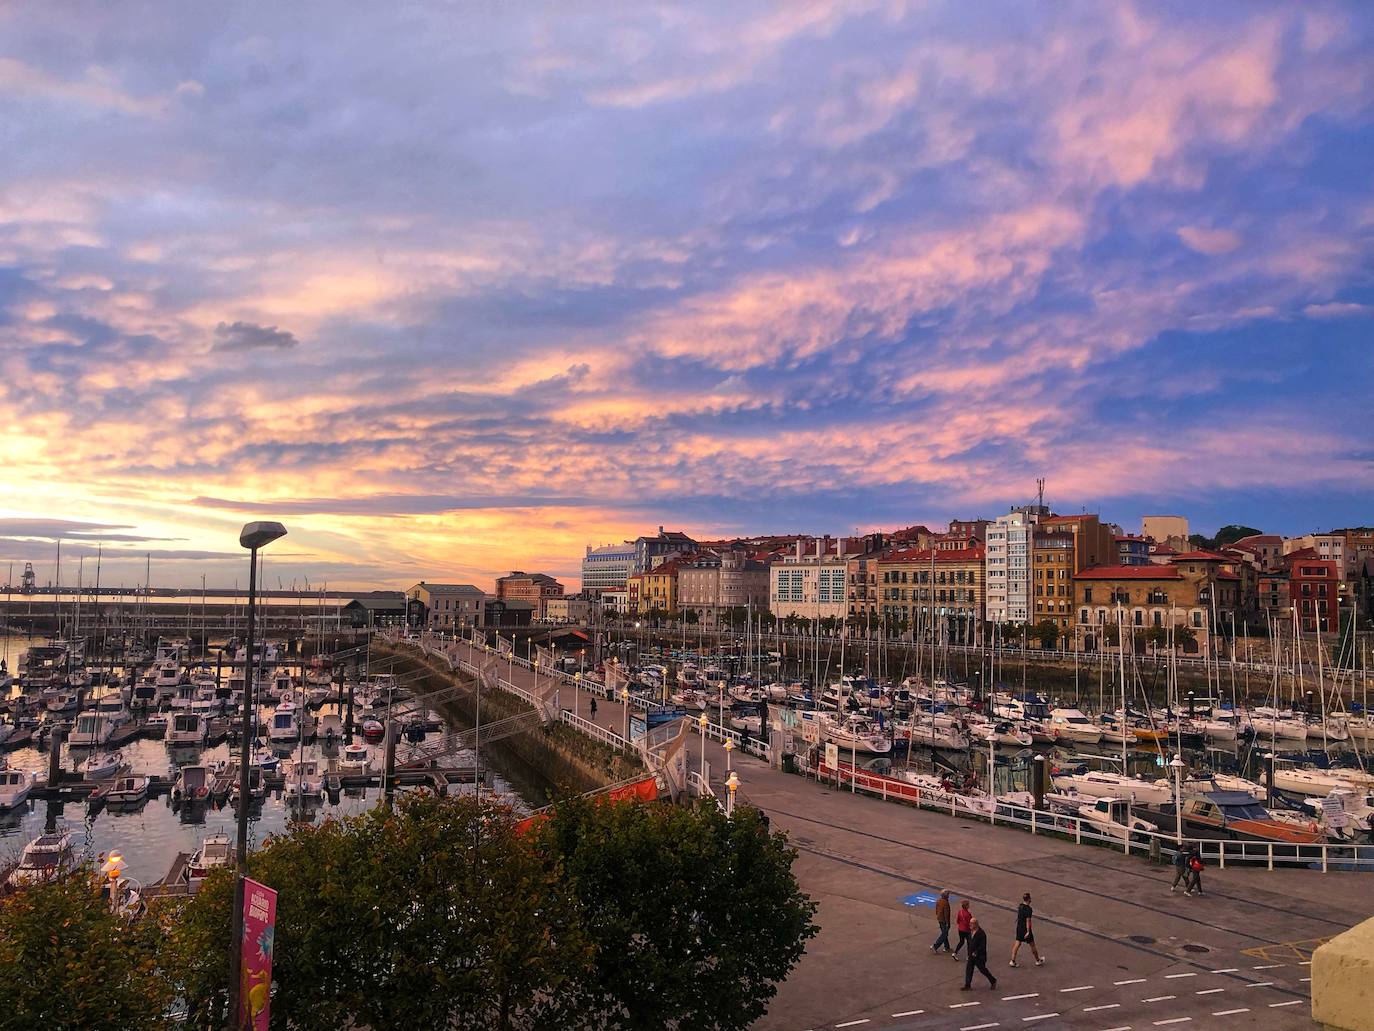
(608, 567)
(923, 587)
(534, 588)
(1008, 554)
(711, 585)
(1052, 570)
(811, 586)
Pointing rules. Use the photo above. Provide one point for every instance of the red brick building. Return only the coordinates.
(1314, 586)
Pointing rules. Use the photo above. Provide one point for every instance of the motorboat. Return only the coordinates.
(192, 784)
(91, 731)
(214, 853)
(935, 730)
(286, 724)
(1113, 816)
(373, 731)
(1345, 814)
(188, 728)
(45, 858)
(114, 709)
(1095, 784)
(1072, 725)
(688, 675)
(156, 725)
(122, 791)
(15, 786)
(268, 762)
(690, 699)
(855, 734)
(144, 694)
(257, 787)
(356, 761)
(1021, 710)
(1229, 815)
(748, 695)
(329, 729)
(167, 678)
(303, 779)
(63, 702)
(749, 723)
(103, 765)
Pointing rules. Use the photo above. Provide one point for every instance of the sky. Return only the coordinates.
(457, 288)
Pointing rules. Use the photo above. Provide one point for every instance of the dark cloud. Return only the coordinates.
(248, 336)
(391, 504)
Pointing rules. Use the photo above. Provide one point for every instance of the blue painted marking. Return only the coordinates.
(922, 898)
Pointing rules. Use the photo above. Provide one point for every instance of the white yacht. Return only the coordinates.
(91, 730)
(303, 779)
(15, 786)
(188, 728)
(1003, 732)
(112, 707)
(286, 723)
(1072, 725)
(103, 766)
(46, 857)
(215, 851)
(1270, 723)
(855, 734)
(192, 784)
(935, 730)
(356, 761)
(1108, 784)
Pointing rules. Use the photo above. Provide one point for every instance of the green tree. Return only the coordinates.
(1185, 637)
(1046, 632)
(695, 916)
(691, 617)
(71, 963)
(1012, 632)
(1157, 636)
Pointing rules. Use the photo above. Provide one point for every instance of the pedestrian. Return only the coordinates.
(942, 918)
(962, 922)
(1181, 868)
(593, 708)
(977, 957)
(1195, 865)
(1025, 931)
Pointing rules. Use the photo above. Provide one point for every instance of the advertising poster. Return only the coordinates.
(259, 923)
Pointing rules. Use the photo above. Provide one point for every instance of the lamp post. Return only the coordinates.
(731, 782)
(113, 867)
(253, 536)
(701, 724)
(625, 707)
(1177, 765)
(729, 747)
(577, 689)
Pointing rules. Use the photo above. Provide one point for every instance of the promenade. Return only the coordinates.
(1122, 951)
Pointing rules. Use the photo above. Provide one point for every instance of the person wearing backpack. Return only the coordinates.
(1195, 872)
(1180, 868)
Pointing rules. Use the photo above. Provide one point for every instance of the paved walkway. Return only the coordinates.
(1122, 951)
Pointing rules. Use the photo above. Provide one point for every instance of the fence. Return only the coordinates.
(1325, 857)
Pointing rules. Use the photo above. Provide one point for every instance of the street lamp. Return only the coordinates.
(253, 536)
(1177, 766)
(729, 747)
(625, 706)
(577, 689)
(701, 723)
(731, 782)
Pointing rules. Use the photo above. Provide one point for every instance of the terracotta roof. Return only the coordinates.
(1130, 573)
(1076, 518)
(1162, 549)
(923, 555)
(1228, 576)
(1198, 556)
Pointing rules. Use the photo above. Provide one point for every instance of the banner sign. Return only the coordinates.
(255, 951)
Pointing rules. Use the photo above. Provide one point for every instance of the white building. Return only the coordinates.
(1328, 546)
(1008, 564)
(607, 568)
(809, 586)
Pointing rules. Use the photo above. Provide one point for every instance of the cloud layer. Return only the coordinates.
(459, 289)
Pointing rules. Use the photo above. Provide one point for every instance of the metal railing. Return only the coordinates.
(1324, 857)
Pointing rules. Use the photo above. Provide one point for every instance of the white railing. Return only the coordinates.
(608, 737)
(1040, 821)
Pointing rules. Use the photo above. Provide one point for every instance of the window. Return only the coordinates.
(1088, 595)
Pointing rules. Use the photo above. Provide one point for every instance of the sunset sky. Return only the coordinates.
(455, 288)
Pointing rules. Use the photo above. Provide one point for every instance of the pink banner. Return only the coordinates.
(259, 926)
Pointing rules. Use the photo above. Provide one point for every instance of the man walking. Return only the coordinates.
(1195, 865)
(1025, 931)
(963, 921)
(942, 918)
(977, 957)
(1180, 868)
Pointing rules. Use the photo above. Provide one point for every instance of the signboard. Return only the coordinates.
(637, 726)
(832, 755)
(1334, 813)
(255, 952)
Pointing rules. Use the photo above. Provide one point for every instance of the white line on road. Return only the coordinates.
(1268, 966)
(1210, 991)
(1028, 995)
(1159, 998)
(853, 1023)
(1080, 988)
(1134, 980)
(961, 1005)
(1226, 970)
(1170, 977)
(1291, 1002)
(977, 1027)
(1038, 1016)
(1304, 979)
(1227, 1013)
(1107, 1006)
(1259, 984)
(909, 1013)
(1123, 1027)
(1176, 1020)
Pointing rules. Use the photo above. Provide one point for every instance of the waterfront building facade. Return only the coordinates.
(1008, 564)
(608, 567)
(712, 585)
(809, 586)
(922, 587)
(448, 607)
(535, 588)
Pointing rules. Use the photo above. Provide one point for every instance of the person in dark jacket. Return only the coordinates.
(1180, 868)
(963, 921)
(942, 918)
(977, 957)
(1195, 865)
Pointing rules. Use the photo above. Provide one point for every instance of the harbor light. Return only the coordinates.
(729, 747)
(731, 782)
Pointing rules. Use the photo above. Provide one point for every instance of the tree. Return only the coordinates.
(691, 617)
(69, 962)
(1157, 636)
(1185, 637)
(1047, 632)
(694, 916)
(1012, 632)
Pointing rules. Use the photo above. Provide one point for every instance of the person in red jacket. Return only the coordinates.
(963, 920)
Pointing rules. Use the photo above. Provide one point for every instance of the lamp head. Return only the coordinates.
(732, 781)
(701, 720)
(258, 534)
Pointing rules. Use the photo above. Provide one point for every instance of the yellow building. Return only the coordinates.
(1052, 570)
(658, 588)
(918, 587)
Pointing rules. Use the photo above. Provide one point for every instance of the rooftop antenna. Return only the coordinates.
(1040, 492)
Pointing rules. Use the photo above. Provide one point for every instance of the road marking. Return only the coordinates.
(1134, 980)
(1160, 998)
(1268, 966)
(1170, 977)
(909, 1013)
(1123, 1027)
(1108, 1006)
(1259, 984)
(961, 1005)
(1304, 979)
(1210, 991)
(1227, 1013)
(1176, 1020)
(1012, 998)
(1226, 970)
(1291, 1002)
(852, 1023)
(1080, 988)
(978, 1027)
(1039, 1016)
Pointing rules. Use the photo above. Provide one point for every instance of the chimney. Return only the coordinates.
(799, 547)
(839, 548)
(820, 548)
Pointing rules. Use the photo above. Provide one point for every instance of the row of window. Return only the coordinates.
(1138, 617)
(952, 595)
(922, 576)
